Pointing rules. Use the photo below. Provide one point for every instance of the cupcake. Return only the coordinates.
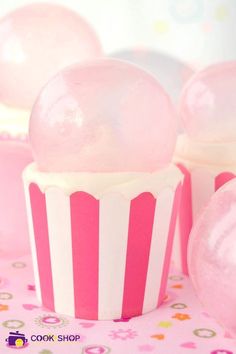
(206, 153)
(102, 195)
(35, 42)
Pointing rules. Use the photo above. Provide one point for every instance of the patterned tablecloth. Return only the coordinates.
(180, 326)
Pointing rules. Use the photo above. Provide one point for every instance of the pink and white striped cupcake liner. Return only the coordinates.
(199, 183)
(102, 256)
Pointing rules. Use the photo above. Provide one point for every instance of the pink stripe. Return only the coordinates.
(223, 178)
(185, 216)
(39, 215)
(141, 219)
(171, 233)
(85, 237)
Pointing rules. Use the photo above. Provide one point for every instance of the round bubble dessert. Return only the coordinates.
(102, 194)
(169, 71)
(36, 41)
(207, 149)
(211, 257)
(107, 116)
(207, 108)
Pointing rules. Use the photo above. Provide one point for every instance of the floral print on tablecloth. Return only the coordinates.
(179, 326)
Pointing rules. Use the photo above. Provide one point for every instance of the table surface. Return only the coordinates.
(179, 326)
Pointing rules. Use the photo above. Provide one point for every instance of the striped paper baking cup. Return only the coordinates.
(101, 254)
(198, 186)
(206, 167)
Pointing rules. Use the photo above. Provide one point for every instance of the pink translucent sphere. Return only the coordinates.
(212, 257)
(36, 41)
(103, 116)
(208, 104)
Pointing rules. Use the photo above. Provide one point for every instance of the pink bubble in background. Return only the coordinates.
(208, 104)
(36, 41)
(169, 71)
(104, 116)
(212, 257)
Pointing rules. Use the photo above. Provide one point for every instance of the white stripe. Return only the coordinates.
(32, 241)
(203, 186)
(113, 236)
(158, 248)
(176, 257)
(59, 230)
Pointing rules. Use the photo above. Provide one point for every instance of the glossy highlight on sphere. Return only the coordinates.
(103, 116)
(208, 104)
(212, 257)
(36, 41)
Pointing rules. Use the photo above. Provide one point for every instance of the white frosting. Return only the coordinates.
(98, 184)
(13, 121)
(204, 153)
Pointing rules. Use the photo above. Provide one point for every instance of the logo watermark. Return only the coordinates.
(18, 340)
